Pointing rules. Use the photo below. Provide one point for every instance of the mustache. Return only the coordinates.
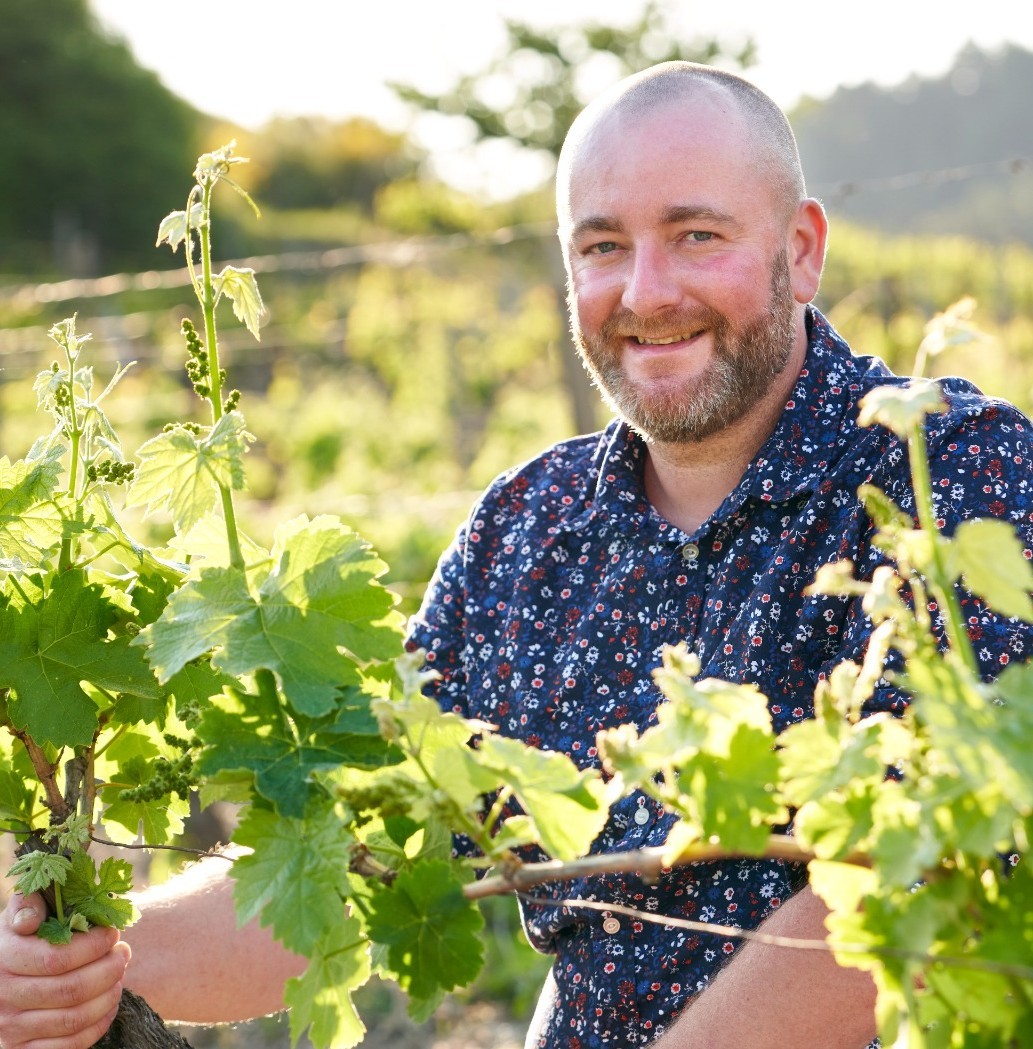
(624, 324)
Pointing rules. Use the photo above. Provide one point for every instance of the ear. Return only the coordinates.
(808, 233)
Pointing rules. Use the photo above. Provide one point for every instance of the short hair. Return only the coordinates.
(670, 82)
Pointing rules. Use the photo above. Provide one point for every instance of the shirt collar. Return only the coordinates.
(818, 418)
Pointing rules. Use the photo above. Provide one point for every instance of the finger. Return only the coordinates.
(25, 914)
(77, 1028)
(67, 990)
(32, 956)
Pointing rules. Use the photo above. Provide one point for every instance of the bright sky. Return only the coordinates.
(253, 60)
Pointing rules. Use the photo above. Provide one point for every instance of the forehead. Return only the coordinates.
(635, 161)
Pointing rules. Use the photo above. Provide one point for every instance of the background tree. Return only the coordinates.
(93, 144)
(310, 162)
(543, 78)
(944, 155)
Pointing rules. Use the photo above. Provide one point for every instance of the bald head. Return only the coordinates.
(681, 86)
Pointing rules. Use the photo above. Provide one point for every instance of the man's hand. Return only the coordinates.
(56, 997)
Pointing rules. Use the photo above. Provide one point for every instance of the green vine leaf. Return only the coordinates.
(320, 1000)
(215, 165)
(182, 472)
(56, 932)
(296, 878)
(16, 798)
(242, 288)
(733, 794)
(155, 573)
(431, 929)
(994, 567)
(98, 895)
(835, 825)
(174, 228)
(568, 806)
(47, 650)
(194, 686)
(319, 602)
(246, 731)
(206, 542)
(198, 617)
(901, 408)
(39, 870)
(30, 522)
(73, 834)
(822, 755)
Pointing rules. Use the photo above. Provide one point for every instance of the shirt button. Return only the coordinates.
(611, 925)
(641, 816)
(690, 553)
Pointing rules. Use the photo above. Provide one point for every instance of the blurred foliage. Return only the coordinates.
(532, 93)
(879, 291)
(419, 207)
(974, 118)
(93, 145)
(312, 162)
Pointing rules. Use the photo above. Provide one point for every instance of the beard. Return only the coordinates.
(746, 359)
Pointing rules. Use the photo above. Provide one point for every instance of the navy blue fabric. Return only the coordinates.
(549, 613)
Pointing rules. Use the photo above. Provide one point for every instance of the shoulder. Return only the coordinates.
(561, 480)
(843, 373)
(969, 410)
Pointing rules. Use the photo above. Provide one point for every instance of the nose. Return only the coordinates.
(651, 285)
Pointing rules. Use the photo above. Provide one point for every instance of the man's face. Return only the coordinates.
(743, 359)
(681, 294)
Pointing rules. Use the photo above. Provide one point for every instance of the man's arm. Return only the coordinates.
(189, 961)
(769, 997)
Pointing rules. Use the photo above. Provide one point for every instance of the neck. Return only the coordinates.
(687, 481)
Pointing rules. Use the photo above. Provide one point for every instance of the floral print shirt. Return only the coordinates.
(548, 614)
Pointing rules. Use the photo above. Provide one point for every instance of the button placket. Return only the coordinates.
(611, 925)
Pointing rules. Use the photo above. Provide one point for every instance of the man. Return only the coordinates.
(699, 515)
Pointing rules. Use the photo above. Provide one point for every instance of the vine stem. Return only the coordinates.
(207, 299)
(1016, 972)
(75, 434)
(648, 863)
(46, 773)
(495, 815)
(953, 620)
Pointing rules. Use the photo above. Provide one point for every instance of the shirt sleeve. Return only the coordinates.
(438, 628)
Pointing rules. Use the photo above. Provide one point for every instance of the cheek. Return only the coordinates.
(733, 289)
(593, 298)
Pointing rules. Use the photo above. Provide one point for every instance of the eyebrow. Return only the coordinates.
(596, 224)
(671, 216)
(678, 213)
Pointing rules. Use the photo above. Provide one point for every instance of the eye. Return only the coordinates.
(699, 236)
(604, 247)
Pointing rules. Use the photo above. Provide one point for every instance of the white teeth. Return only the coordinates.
(662, 342)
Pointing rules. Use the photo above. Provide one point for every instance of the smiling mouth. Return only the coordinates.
(643, 341)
